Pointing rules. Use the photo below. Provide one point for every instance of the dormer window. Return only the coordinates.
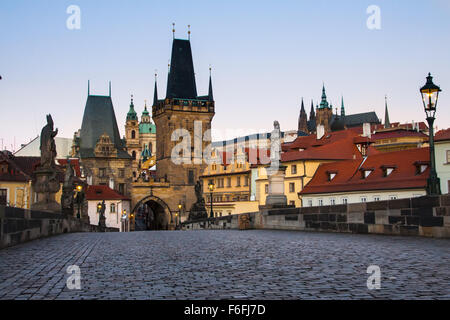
(365, 172)
(387, 170)
(331, 175)
(421, 166)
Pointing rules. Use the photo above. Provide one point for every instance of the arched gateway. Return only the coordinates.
(152, 213)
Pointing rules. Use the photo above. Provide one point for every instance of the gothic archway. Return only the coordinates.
(152, 213)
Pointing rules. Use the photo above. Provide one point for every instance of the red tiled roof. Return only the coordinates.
(442, 135)
(337, 145)
(103, 193)
(349, 178)
(19, 168)
(397, 134)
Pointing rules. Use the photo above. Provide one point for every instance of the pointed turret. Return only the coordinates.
(181, 79)
(342, 107)
(387, 123)
(312, 119)
(210, 90)
(155, 94)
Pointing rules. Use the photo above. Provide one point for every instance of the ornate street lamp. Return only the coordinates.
(430, 95)
(211, 189)
(79, 189)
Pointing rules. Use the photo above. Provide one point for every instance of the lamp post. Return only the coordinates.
(178, 215)
(211, 189)
(79, 199)
(430, 95)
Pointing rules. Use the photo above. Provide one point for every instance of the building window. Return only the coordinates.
(133, 154)
(376, 198)
(228, 182)
(294, 169)
(102, 172)
(448, 156)
(310, 203)
(392, 197)
(246, 181)
(191, 177)
(112, 208)
(333, 201)
(320, 202)
(121, 173)
(122, 188)
(292, 203)
(344, 201)
(238, 181)
(3, 196)
(292, 187)
(133, 134)
(363, 199)
(266, 187)
(214, 167)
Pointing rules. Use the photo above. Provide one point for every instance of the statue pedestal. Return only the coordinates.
(46, 185)
(198, 212)
(276, 197)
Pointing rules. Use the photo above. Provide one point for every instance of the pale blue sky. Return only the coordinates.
(266, 56)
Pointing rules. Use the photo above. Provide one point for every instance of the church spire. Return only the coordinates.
(155, 94)
(342, 107)
(131, 115)
(302, 120)
(210, 90)
(324, 102)
(387, 123)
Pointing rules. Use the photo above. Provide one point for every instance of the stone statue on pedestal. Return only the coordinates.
(67, 196)
(276, 171)
(45, 178)
(198, 209)
(102, 218)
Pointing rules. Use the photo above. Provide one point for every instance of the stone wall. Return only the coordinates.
(20, 225)
(424, 216)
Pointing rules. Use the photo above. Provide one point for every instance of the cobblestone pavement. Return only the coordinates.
(226, 265)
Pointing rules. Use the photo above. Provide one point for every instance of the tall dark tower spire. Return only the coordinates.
(342, 107)
(387, 123)
(155, 94)
(302, 120)
(210, 90)
(181, 80)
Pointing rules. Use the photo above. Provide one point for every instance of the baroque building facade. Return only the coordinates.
(140, 137)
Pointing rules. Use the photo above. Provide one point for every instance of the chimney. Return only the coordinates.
(320, 131)
(366, 130)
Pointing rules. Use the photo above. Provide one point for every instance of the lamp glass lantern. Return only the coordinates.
(430, 95)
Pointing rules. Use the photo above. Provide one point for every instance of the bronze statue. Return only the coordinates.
(199, 192)
(48, 146)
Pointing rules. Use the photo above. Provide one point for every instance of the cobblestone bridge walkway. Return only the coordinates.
(226, 265)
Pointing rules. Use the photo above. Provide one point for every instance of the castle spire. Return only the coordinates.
(324, 102)
(89, 90)
(387, 123)
(342, 107)
(210, 90)
(302, 120)
(110, 88)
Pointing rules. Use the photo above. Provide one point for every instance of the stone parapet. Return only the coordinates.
(21, 225)
(427, 216)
